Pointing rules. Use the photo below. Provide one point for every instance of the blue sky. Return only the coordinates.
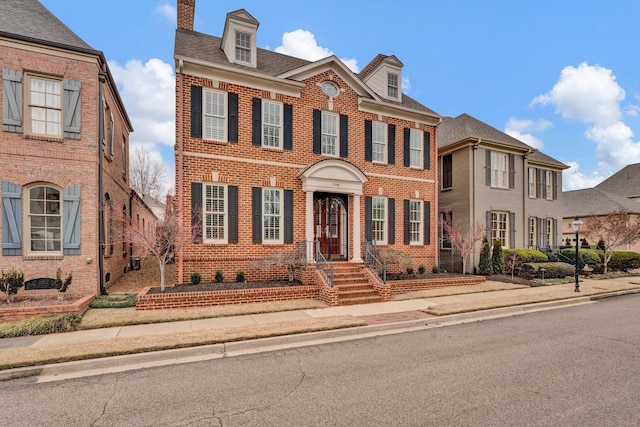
(561, 76)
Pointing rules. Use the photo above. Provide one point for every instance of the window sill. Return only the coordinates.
(214, 141)
(45, 138)
(269, 148)
(43, 257)
(446, 189)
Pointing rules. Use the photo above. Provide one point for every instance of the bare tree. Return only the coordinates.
(464, 239)
(292, 260)
(615, 229)
(146, 175)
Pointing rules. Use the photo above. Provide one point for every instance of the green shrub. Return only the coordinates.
(195, 278)
(435, 269)
(526, 255)
(584, 244)
(240, 276)
(10, 283)
(114, 301)
(421, 269)
(40, 326)
(600, 245)
(553, 270)
(410, 270)
(593, 257)
(219, 276)
(624, 261)
(484, 265)
(497, 259)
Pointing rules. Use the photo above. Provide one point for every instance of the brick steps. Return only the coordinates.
(352, 285)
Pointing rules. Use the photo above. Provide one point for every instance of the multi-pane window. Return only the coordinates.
(548, 229)
(532, 182)
(415, 148)
(499, 169)
(532, 232)
(415, 221)
(329, 133)
(243, 47)
(392, 85)
(215, 213)
(549, 184)
(215, 115)
(379, 140)
(45, 106)
(45, 219)
(272, 215)
(271, 124)
(447, 218)
(499, 227)
(379, 219)
(447, 171)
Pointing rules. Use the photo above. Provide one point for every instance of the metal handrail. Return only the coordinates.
(372, 262)
(325, 267)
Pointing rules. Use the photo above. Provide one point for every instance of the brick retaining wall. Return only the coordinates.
(16, 314)
(403, 286)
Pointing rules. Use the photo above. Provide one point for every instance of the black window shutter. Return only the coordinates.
(317, 130)
(232, 127)
(427, 150)
(406, 222)
(489, 228)
(344, 136)
(288, 127)
(427, 223)
(196, 211)
(512, 230)
(391, 224)
(368, 218)
(512, 171)
(555, 185)
(541, 233)
(391, 144)
(487, 166)
(256, 210)
(544, 184)
(555, 232)
(407, 138)
(540, 182)
(232, 191)
(256, 119)
(196, 111)
(288, 216)
(368, 140)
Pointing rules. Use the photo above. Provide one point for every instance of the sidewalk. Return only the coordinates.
(435, 306)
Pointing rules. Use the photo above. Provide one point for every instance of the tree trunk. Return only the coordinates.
(161, 265)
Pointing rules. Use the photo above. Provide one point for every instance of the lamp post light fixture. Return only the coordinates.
(576, 224)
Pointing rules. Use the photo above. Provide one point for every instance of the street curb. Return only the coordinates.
(259, 345)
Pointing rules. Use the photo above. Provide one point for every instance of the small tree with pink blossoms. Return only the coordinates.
(463, 238)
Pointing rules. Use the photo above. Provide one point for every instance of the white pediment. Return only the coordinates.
(333, 176)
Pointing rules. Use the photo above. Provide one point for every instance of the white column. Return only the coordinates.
(356, 257)
(309, 227)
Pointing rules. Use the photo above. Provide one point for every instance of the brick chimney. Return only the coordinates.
(186, 10)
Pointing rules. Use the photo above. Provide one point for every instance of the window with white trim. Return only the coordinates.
(548, 228)
(215, 213)
(500, 227)
(45, 106)
(272, 201)
(532, 182)
(215, 115)
(415, 148)
(329, 140)
(532, 232)
(271, 124)
(44, 220)
(415, 221)
(379, 220)
(243, 47)
(499, 169)
(549, 184)
(379, 142)
(392, 85)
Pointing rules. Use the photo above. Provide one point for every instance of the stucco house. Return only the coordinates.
(63, 157)
(495, 179)
(274, 151)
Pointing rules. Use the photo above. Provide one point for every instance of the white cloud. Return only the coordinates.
(406, 84)
(573, 179)
(302, 44)
(168, 11)
(521, 130)
(148, 93)
(590, 93)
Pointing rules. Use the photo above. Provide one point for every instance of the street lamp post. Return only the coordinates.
(576, 224)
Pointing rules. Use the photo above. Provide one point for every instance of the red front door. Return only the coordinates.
(328, 222)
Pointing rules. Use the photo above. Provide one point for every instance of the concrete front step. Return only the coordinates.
(359, 300)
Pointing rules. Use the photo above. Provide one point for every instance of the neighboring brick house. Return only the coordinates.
(619, 192)
(273, 150)
(63, 156)
(495, 179)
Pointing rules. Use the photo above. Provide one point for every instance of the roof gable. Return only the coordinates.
(625, 182)
(453, 130)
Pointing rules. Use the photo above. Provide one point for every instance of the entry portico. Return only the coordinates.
(328, 177)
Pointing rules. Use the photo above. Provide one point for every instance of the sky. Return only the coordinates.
(561, 76)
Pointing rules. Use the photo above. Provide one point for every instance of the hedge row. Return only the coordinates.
(553, 270)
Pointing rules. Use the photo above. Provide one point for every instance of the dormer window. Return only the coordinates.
(243, 47)
(392, 85)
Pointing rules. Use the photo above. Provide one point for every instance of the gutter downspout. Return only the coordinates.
(131, 196)
(436, 209)
(179, 165)
(472, 217)
(102, 78)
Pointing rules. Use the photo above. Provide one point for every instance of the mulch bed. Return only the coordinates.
(35, 302)
(505, 278)
(405, 276)
(225, 286)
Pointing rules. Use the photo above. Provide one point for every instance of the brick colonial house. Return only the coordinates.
(492, 178)
(63, 157)
(273, 150)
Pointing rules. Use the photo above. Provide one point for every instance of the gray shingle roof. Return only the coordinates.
(464, 126)
(30, 20)
(539, 157)
(594, 201)
(625, 182)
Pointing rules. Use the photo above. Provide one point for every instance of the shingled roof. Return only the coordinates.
(452, 130)
(594, 201)
(29, 20)
(625, 182)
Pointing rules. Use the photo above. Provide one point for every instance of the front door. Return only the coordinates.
(330, 225)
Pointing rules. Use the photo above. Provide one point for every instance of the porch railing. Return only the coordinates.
(370, 260)
(325, 267)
